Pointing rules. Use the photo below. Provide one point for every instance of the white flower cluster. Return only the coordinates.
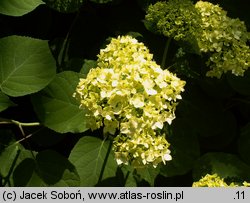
(215, 180)
(224, 39)
(132, 97)
(177, 19)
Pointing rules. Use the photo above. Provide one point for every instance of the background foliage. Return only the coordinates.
(46, 46)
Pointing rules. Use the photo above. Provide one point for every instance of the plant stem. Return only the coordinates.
(7, 121)
(20, 126)
(165, 53)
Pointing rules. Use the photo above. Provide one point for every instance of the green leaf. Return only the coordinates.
(227, 166)
(6, 138)
(185, 149)
(244, 144)
(5, 102)
(11, 155)
(8, 158)
(128, 176)
(87, 66)
(56, 107)
(10, 152)
(131, 181)
(135, 34)
(240, 83)
(24, 172)
(27, 65)
(18, 7)
(65, 6)
(190, 45)
(49, 169)
(25, 154)
(122, 178)
(92, 159)
(150, 26)
(56, 170)
(148, 173)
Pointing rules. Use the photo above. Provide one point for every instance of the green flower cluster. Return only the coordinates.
(131, 96)
(225, 39)
(216, 181)
(177, 19)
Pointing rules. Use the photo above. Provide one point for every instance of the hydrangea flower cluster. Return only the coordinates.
(225, 39)
(132, 97)
(216, 181)
(177, 19)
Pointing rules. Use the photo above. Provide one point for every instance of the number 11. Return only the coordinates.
(240, 195)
